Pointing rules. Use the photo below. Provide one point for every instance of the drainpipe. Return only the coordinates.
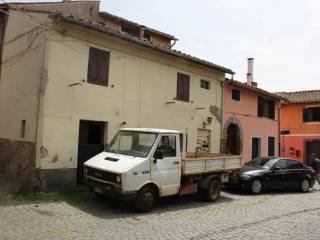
(222, 117)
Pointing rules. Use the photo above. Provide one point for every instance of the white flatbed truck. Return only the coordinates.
(141, 165)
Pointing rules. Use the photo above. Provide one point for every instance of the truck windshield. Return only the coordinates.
(133, 143)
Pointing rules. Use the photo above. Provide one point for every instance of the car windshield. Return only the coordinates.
(263, 162)
(133, 143)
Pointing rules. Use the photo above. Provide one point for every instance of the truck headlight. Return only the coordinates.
(118, 178)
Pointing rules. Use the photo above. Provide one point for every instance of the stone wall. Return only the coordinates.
(17, 166)
(57, 179)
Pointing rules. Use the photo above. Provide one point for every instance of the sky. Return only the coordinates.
(282, 36)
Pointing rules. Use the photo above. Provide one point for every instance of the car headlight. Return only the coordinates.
(245, 176)
(118, 178)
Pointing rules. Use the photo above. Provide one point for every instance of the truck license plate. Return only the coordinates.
(98, 190)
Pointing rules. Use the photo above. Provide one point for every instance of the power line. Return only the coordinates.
(37, 22)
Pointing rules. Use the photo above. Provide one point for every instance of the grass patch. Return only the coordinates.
(78, 193)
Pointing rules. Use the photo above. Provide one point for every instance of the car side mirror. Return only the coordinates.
(276, 169)
(158, 154)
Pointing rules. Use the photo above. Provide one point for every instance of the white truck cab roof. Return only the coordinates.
(152, 130)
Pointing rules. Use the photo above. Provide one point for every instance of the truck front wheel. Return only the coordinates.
(145, 199)
(212, 192)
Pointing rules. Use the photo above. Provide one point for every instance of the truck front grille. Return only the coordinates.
(102, 175)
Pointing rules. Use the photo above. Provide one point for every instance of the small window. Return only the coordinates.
(168, 146)
(204, 84)
(271, 146)
(98, 67)
(23, 129)
(311, 114)
(183, 87)
(266, 108)
(236, 94)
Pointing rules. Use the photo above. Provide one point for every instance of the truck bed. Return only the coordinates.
(198, 163)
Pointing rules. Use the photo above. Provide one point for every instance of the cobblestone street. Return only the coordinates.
(277, 215)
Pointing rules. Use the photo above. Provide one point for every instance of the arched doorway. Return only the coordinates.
(233, 139)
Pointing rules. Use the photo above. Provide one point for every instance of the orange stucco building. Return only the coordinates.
(251, 121)
(300, 125)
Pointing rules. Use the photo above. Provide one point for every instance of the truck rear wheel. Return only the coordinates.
(145, 199)
(212, 192)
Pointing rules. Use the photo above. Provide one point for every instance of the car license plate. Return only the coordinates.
(98, 190)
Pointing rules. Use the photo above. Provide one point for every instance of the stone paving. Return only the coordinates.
(276, 215)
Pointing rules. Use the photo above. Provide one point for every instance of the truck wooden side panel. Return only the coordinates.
(211, 164)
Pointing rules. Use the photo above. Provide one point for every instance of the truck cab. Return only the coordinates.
(141, 165)
(136, 159)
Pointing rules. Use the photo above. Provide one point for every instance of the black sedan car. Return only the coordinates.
(274, 173)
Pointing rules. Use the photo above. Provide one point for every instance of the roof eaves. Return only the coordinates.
(103, 29)
(254, 89)
(301, 97)
(106, 14)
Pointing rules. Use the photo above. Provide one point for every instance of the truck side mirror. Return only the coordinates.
(158, 154)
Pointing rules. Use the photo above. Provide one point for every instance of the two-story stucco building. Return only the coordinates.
(300, 125)
(251, 120)
(72, 76)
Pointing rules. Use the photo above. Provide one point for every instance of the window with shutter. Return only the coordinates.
(266, 108)
(260, 106)
(271, 109)
(183, 87)
(311, 114)
(98, 67)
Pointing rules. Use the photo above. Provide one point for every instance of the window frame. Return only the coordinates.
(235, 97)
(183, 87)
(205, 84)
(175, 145)
(95, 67)
(273, 146)
(266, 108)
(308, 114)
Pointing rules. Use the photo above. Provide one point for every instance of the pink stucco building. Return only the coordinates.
(251, 120)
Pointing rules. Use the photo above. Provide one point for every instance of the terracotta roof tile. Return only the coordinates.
(103, 29)
(253, 88)
(311, 96)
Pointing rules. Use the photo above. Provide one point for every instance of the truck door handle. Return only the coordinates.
(176, 163)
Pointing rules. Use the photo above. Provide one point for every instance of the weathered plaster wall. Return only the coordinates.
(80, 9)
(141, 82)
(20, 84)
(245, 113)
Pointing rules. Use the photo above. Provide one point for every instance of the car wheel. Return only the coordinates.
(256, 186)
(212, 192)
(304, 185)
(145, 199)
